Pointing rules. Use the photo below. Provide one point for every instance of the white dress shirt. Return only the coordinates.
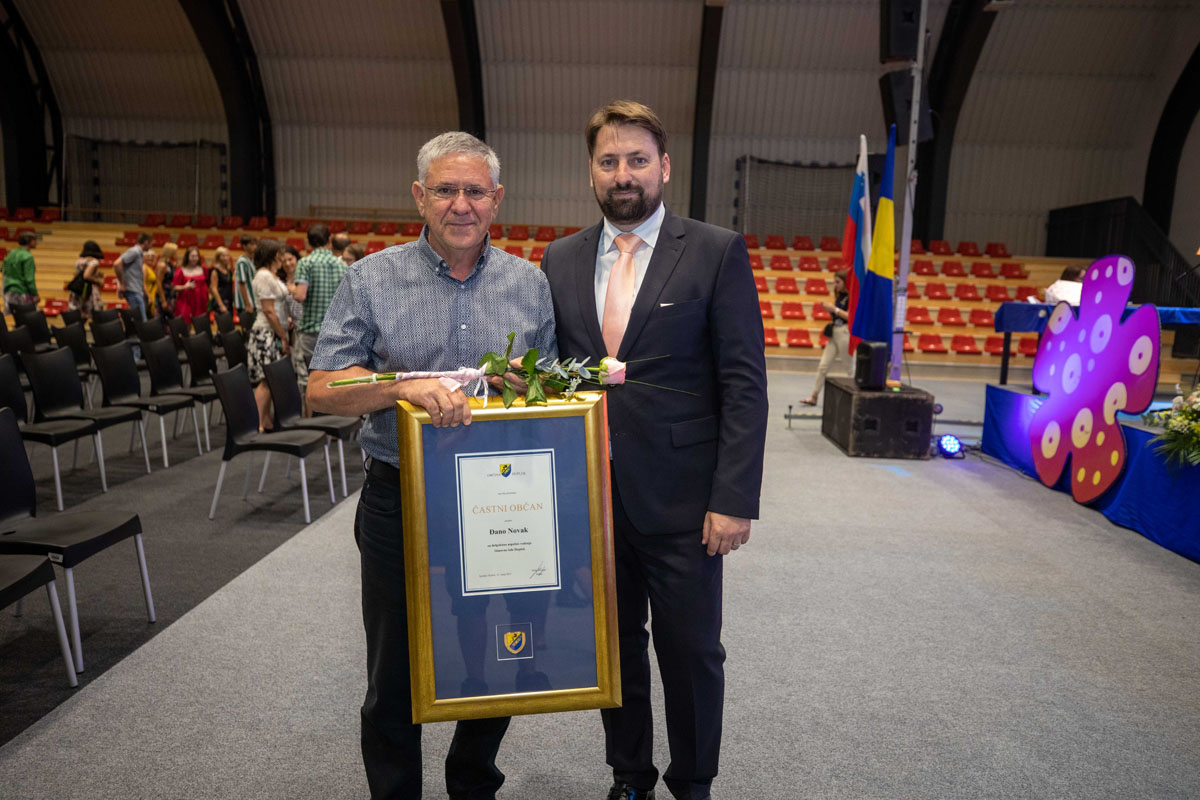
(606, 254)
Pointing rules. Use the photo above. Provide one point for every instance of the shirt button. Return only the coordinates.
(463, 326)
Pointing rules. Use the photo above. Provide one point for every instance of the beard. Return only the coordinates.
(624, 210)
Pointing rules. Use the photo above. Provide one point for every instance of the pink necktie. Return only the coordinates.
(618, 301)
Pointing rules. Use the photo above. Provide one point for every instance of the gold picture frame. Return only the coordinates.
(416, 437)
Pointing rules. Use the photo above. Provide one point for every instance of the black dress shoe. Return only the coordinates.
(623, 791)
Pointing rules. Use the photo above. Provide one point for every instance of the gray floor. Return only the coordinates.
(896, 629)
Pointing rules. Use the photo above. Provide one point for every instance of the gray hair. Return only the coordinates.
(452, 143)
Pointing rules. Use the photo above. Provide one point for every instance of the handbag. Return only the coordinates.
(76, 285)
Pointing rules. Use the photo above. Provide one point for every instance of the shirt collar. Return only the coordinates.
(438, 265)
(647, 231)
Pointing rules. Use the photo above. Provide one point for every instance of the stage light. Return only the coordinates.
(950, 446)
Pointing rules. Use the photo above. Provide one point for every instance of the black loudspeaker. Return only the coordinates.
(890, 424)
(898, 31)
(871, 365)
(896, 90)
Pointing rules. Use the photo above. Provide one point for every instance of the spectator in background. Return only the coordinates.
(165, 271)
(150, 280)
(1068, 287)
(338, 244)
(268, 336)
(20, 287)
(190, 283)
(353, 253)
(220, 281)
(318, 276)
(838, 336)
(243, 282)
(85, 286)
(131, 282)
(295, 309)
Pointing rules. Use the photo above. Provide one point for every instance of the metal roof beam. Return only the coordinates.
(706, 88)
(28, 115)
(1162, 167)
(462, 33)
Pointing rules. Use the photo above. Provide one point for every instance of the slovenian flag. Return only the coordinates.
(856, 241)
(873, 314)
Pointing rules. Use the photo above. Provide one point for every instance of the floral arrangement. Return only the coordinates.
(538, 374)
(1179, 443)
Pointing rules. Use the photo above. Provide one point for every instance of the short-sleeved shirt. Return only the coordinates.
(243, 275)
(322, 271)
(18, 272)
(267, 287)
(399, 310)
(131, 262)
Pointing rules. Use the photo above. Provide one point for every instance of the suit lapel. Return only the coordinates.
(584, 259)
(662, 263)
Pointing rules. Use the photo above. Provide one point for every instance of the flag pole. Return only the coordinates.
(910, 193)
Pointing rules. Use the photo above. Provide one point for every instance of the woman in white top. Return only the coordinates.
(268, 336)
(1068, 287)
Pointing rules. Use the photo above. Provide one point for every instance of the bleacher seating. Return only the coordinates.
(837, 263)
(212, 241)
(997, 294)
(781, 263)
(516, 250)
(994, 345)
(1011, 269)
(756, 261)
(916, 248)
(940, 247)
(770, 337)
(831, 244)
(1027, 346)
(965, 345)
(206, 221)
(154, 220)
(231, 223)
(180, 221)
(820, 313)
(918, 315)
(953, 269)
(751, 241)
(982, 269)
(982, 318)
(536, 253)
(802, 243)
(257, 224)
(544, 233)
(791, 310)
(950, 316)
(374, 246)
(360, 228)
(914, 291)
(387, 229)
(760, 283)
(816, 286)
(798, 337)
(810, 264)
(967, 292)
(520, 232)
(966, 248)
(283, 224)
(411, 229)
(776, 243)
(765, 308)
(1027, 292)
(923, 267)
(936, 291)
(997, 250)
(931, 343)
(187, 240)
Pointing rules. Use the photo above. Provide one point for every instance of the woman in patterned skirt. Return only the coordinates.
(268, 336)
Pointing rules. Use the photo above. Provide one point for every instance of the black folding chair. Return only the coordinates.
(21, 308)
(166, 377)
(242, 436)
(289, 411)
(39, 330)
(224, 322)
(67, 539)
(52, 433)
(21, 575)
(71, 316)
(73, 336)
(108, 332)
(123, 387)
(235, 348)
(105, 315)
(150, 329)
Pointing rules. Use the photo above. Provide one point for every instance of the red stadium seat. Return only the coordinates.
(776, 243)
(360, 227)
(1025, 292)
(831, 244)
(298, 242)
(982, 318)
(802, 243)
(810, 264)
(931, 343)
(836, 263)
(110, 284)
(798, 337)
(953, 269)
(187, 240)
(792, 310)
(337, 226)
(545, 233)
(760, 283)
(283, 224)
(387, 229)
(496, 231)
(1027, 346)
(786, 286)
(982, 269)
(940, 247)
(516, 250)
(230, 223)
(257, 224)
(908, 345)
(570, 230)
(923, 266)
(3, 253)
(537, 253)
(997, 294)
(997, 250)
(819, 313)
(160, 239)
(950, 316)
(374, 246)
(411, 229)
(1011, 269)
(154, 220)
(967, 248)
(936, 291)
(17, 232)
(968, 292)
(24, 215)
(965, 345)
(206, 221)
(3, 212)
(916, 248)
(518, 232)
(765, 308)
(180, 221)
(751, 241)
(995, 345)
(49, 215)
(914, 291)
(213, 241)
(918, 315)
(129, 239)
(303, 225)
(781, 263)
(770, 337)
(816, 286)
(756, 261)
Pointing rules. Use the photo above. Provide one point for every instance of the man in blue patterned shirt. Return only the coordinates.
(438, 303)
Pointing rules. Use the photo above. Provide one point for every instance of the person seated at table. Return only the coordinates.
(1068, 287)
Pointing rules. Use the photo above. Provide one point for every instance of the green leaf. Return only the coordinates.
(508, 351)
(529, 362)
(535, 395)
(509, 394)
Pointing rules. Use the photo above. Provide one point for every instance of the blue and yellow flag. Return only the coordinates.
(873, 314)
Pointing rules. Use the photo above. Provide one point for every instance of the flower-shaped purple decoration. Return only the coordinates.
(1091, 368)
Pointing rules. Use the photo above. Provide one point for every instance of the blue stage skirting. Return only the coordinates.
(1030, 317)
(1160, 502)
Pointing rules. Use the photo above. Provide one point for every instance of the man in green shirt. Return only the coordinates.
(318, 276)
(19, 284)
(243, 282)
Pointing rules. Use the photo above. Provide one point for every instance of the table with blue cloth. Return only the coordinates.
(1032, 318)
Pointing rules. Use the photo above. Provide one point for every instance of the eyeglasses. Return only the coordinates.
(474, 194)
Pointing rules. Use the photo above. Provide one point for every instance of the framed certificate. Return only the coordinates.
(508, 560)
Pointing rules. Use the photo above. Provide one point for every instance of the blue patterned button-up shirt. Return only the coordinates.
(399, 310)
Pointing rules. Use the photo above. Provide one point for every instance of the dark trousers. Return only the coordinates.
(391, 743)
(673, 577)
